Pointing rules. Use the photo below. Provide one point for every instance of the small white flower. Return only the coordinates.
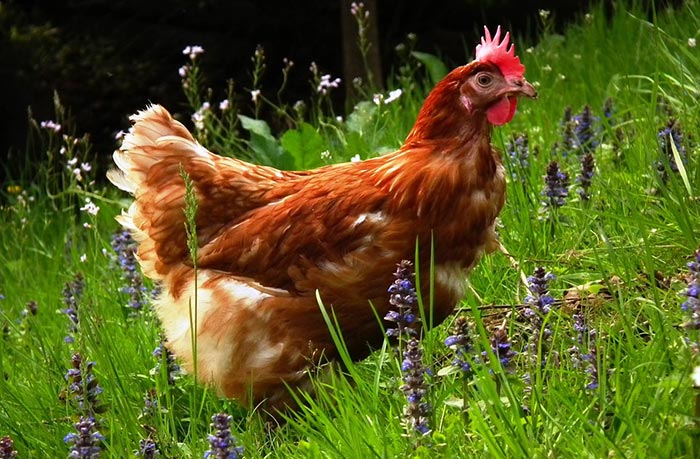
(393, 95)
(83, 258)
(339, 119)
(90, 207)
(52, 125)
(588, 17)
(86, 225)
(62, 150)
(378, 99)
(182, 71)
(544, 14)
(72, 162)
(119, 135)
(326, 84)
(193, 51)
(696, 376)
(78, 174)
(254, 94)
(530, 50)
(326, 154)
(355, 159)
(224, 105)
(86, 167)
(692, 42)
(547, 68)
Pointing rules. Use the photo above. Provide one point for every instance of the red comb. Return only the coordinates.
(490, 50)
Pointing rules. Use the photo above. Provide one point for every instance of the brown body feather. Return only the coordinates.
(268, 240)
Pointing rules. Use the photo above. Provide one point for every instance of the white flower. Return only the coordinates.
(51, 125)
(193, 51)
(119, 135)
(224, 105)
(692, 42)
(254, 94)
(62, 150)
(544, 14)
(326, 154)
(83, 258)
(86, 167)
(326, 84)
(73, 161)
(696, 376)
(90, 207)
(182, 71)
(339, 119)
(547, 68)
(378, 99)
(355, 159)
(393, 95)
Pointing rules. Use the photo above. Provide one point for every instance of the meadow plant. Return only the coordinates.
(585, 338)
(83, 388)
(518, 149)
(402, 296)
(72, 293)
(415, 388)
(148, 449)
(585, 177)
(460, 342)
(163, 355)
(222, 444)
(691, 306)
(502, 349)
(556, 188)
(670, 137)
(124, 248)
(7, 448)
(86, 443)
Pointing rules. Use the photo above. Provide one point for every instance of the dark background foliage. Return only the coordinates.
(109, 58)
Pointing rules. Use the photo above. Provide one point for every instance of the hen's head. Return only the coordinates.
(485, 89)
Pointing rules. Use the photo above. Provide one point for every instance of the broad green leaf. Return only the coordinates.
(361, 117)
(265, 146)
(305, 145)
(436, 68)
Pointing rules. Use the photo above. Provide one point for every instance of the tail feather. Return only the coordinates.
(148, 166)
(148, 163)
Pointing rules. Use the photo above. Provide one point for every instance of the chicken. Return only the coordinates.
(268, 240)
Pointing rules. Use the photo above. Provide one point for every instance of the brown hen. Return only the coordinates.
(269, 239)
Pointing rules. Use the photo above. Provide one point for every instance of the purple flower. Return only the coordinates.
(415, 387)
(125, 249)
(691, 305)
(585, 337)
(519, 152)
(585, 130)
(222, 444)
(148, 449)
(461, 344)
(670, 135)
(83, 387)
(402, 296)
(72, 293)
(163, 354)
(7, 448)
(501, 348)
(556, 187)
(537, 306)
(585, 177)
(85, 444)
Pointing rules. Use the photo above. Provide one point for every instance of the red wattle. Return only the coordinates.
(503, 111)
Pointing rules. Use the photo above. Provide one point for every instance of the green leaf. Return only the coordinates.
(436, 68)
(265, 146)
(305, 145)
(361, 117)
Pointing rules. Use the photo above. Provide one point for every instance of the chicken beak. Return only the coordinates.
(522, 87)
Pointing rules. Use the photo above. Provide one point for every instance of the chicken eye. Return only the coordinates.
(484, 80)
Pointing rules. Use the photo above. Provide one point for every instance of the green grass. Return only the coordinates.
(628, 247)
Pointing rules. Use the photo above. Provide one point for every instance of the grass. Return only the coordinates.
(619, 261)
